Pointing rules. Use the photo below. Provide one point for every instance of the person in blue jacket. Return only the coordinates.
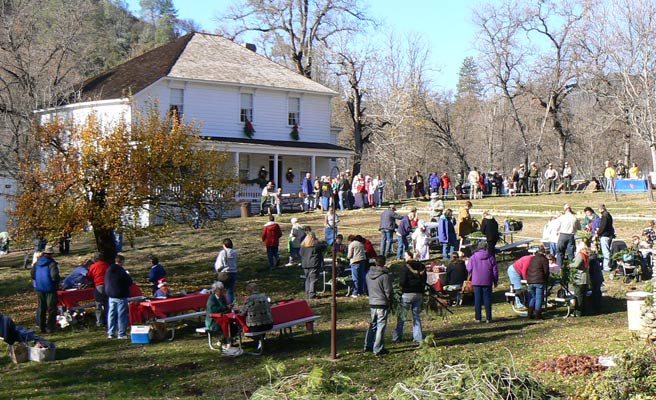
(156, 273)
(446, 234)
(45, 274)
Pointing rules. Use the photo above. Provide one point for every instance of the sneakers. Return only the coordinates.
(110, 337)
(289, 264)
(355, 296)
(382, 352)
(124, 337)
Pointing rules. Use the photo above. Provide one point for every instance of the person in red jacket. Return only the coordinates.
(96, 275)
(271, 234)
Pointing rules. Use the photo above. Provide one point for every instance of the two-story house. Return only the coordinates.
(224, 86)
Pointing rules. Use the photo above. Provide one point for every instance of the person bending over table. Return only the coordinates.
(257, 310)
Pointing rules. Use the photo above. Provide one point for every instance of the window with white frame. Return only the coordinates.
(246, 107)
(176, 102)
(294, 111)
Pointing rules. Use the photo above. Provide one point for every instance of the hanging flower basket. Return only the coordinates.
(248, 129)
(294, 133)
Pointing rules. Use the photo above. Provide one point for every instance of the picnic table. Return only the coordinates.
(164, 308)
(73, 298)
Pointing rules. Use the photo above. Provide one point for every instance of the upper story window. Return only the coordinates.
(176, 102)
(294, 111)
(246, 107)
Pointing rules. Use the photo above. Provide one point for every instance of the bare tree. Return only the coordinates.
(621, 64)
(503, 59)
(42, 50)
(295, 28)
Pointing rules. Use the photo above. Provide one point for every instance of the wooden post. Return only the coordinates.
(612, 188)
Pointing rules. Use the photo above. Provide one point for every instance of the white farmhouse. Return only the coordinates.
(223, 86)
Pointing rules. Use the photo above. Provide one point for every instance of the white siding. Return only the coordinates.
(216, 108)
(107, 112)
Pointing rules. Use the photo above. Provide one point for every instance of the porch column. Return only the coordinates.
(237, 164)
(313, 166)
(274, 177)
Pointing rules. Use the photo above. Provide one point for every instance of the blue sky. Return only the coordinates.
(445, 24)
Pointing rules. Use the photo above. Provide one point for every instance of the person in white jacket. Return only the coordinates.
(226, 268)
(420, 240)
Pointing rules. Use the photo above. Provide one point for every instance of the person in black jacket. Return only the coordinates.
(117, 288)
(537, 276)
(605, 233)
(311, 261)
(412, 282)
(490, 228)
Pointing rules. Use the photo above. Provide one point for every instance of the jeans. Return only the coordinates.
(118, 313)
(272, 252)
(447, 249)
(310, 282)
(324, 203)
(565, 244)
(536, 293)
(516, 282)
(342, 195)
(358, 274)
(553, 248)
(46, 306)
(604, 242)
(375, 337)
(445, 193)
(294, 252)
(482, 295)
(609, 185)
(230, 286)
(101, 304)
(401, 246)
(386, 241)
(409, 301)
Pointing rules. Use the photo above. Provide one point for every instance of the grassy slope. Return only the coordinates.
(88, 365)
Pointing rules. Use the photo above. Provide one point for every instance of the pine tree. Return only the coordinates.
(469, 83)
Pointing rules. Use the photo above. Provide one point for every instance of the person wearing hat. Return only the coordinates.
(533, 176)
(387, 227)
(551, 175)
(522, 179)
(45, 274)
(162, 291)
(435, 205)
(567, 177)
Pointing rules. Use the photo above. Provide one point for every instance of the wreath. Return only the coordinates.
(248, 128)
(294, 133)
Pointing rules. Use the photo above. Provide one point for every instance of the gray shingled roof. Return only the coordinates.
(282, 143)
(196, 56)
(214, 58)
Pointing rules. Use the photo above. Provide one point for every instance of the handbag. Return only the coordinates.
(467, 286)
(222, 276)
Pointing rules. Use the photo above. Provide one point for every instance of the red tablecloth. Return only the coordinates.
(162, 308)
(224, 320)
(72, 298)
(280, 313)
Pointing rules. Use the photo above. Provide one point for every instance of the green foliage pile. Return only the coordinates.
(314, 385)
(633, 378)
(467, 380)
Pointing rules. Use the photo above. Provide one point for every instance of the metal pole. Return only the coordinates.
(333, 301)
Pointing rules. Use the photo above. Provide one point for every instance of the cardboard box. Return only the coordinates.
(40, 354)
(140, 334)
(19, 353)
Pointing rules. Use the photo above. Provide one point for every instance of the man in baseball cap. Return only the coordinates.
(45, 274)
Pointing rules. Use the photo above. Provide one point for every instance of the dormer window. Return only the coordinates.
(246, 113)
(176, 102)
(294, 111)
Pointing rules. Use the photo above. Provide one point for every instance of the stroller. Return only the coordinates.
(627, 264)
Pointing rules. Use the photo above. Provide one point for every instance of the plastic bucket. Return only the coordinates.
(634, 302)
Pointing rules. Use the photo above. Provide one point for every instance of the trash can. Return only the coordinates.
(634, 302)
(245, 209)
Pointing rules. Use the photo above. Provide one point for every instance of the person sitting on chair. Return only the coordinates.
(456, 273)
(257, 310)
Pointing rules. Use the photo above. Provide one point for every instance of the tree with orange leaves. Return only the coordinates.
(84, 172)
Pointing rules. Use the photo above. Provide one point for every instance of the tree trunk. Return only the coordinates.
(653, 157)
(105, 243)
